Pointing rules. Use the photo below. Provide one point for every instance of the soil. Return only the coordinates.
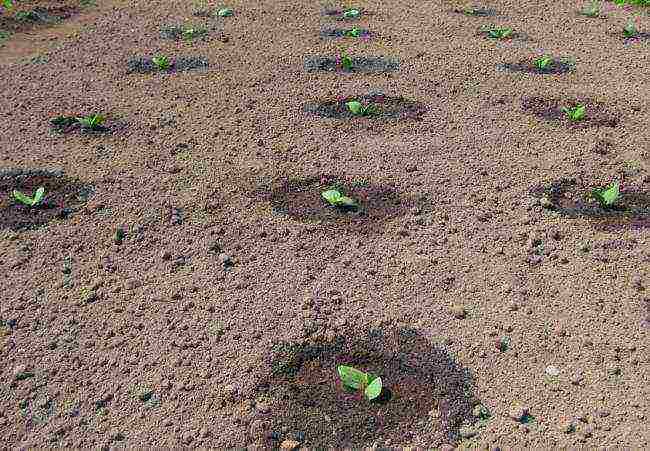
(477, 12)
(557, 66)
(145, 65)
(185, 285)
(335, 33)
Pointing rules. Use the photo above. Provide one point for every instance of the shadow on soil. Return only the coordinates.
(570, 199)
(63, 196)
(427, 396)
(385, 107)
(366, 65)
(301, 200)
(597, 114)
(556, 67)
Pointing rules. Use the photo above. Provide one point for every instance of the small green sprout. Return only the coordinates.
(355, 107)
(225, 12)
(30, 201)
(497, 32)
(8, 4)
(345, 61)
(191, 33)
(358, 381)
(355, 32)
(576, 113)
(543, 62)
(592, 9)
(351, 13)
(337, 199)
(630, 30)
(161, 62)
(608, 196)
(60, 123)
(92, 122)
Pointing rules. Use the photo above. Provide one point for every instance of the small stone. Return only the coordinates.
(458, 311)
(552, 371)
(518, 412)
(187, 438)
(290, 445)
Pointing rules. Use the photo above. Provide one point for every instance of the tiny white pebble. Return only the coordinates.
(552, 371)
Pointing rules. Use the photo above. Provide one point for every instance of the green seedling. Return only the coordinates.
(351, 13)
(355, 32)
(630, 30)
(119, 235)
(92, 122)
(591, 10)
(62, 122)
(337, 199)
(543, 62)
(29, 201)
(8, 4)
(576, 113)
(608, 196)
(191, 33)
(345, 61)
(498, 32)
(225, 12)
(161, 62)
(357, 381)
(358, 109)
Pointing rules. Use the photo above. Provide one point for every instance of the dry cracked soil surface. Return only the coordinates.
(184, 284)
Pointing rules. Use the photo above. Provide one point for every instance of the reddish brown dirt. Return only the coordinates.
(171, 336)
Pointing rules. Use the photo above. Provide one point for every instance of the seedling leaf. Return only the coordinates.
(346, 201)
(29, 201)
(351, 13)
(608, 196)
(354, 106)
(38, 197)
(373, 390)
(575, 114)
(332, 196)
(352, 378)
(225, 12)
(543, 62)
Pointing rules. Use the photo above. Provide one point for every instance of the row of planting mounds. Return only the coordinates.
(551, 109)
(557, 66)
(334, 33)
(361, 64)
(427, 395)
(63, 196)
(145, 65)
(384, 107)
(301, 199)
(24, 20)
(570, 198)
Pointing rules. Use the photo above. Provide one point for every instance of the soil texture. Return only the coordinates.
(597, 113)
(360, 64)
(383, 107)
(145, 65)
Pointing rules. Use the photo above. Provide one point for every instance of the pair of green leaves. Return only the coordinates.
(346, 61)
(8, 4)
(92, 122)
(351, 13)
(162, 62)
(354, 32)
(337, 199)
(543, 62)
(30, 201)
(358, 109)
(498, 32)
(608, 196)
(225, 12)
(630, 30)
(576, 113)
(358, 381)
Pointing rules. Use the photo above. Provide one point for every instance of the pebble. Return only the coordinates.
(518, 412)
(552, 371)
(458, 311)
(290, 445)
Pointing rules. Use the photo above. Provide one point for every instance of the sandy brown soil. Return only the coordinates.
(184, 284)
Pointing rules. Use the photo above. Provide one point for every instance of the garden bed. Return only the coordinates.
(384, 107)
(63, 196)
(360, 64)
(427, 394)
(597, 113)
(145, 65)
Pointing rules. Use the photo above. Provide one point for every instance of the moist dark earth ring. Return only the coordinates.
(386, 107)
(367, 65)
(145, 65)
